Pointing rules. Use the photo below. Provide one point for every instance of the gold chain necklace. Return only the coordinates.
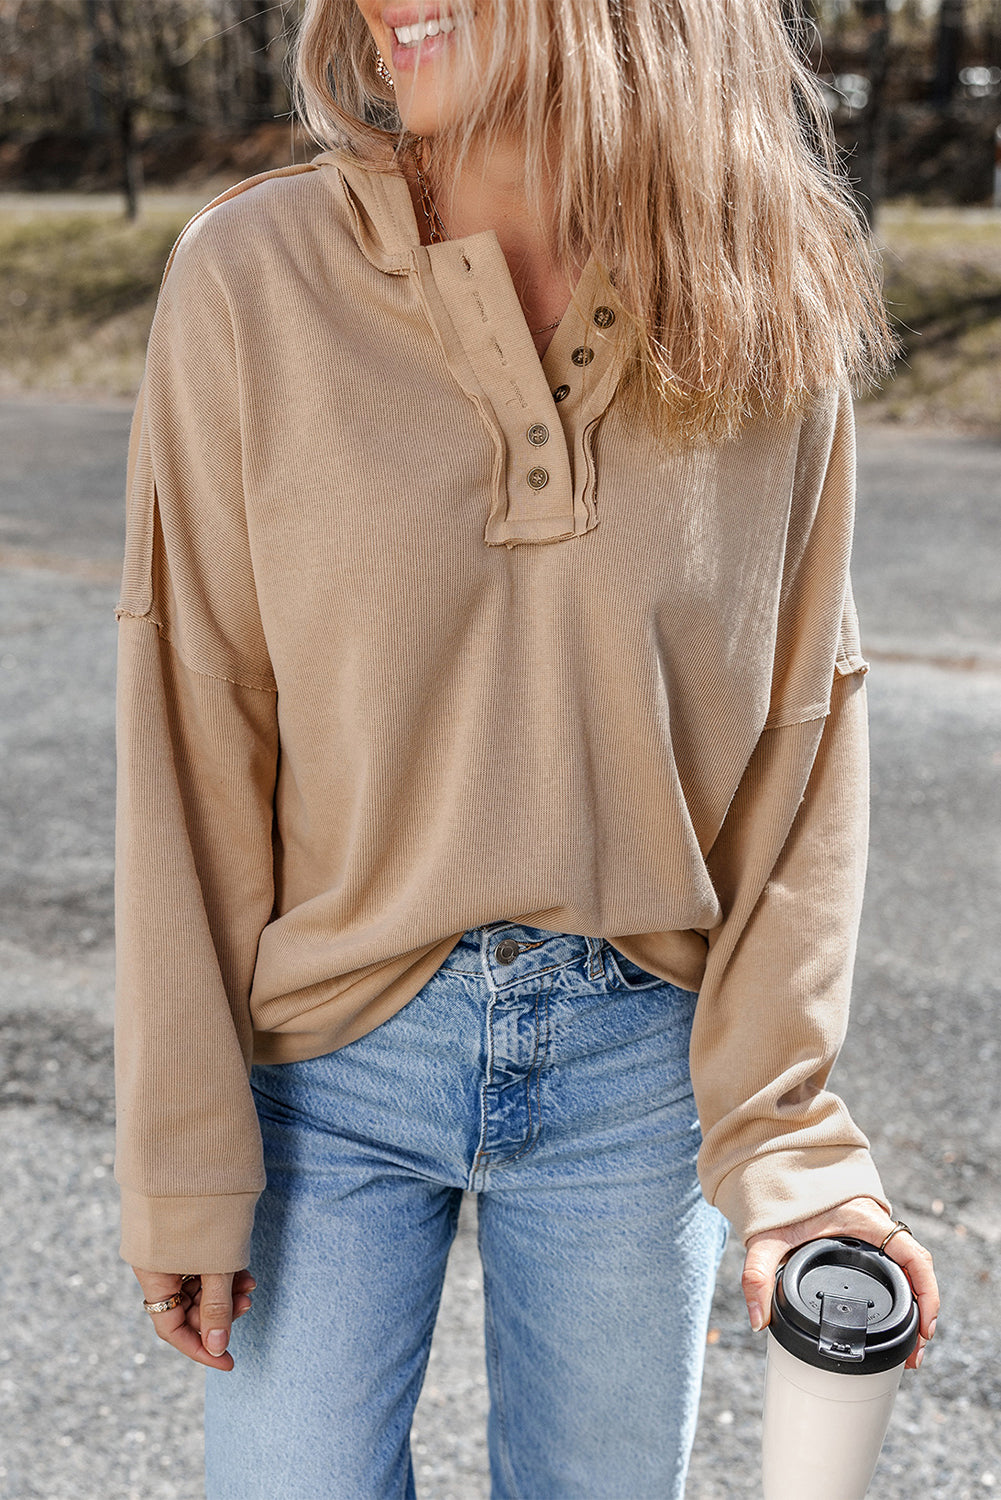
(434, 218)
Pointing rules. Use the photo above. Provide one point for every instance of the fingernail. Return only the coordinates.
(757, 1317)
(931, 1331)
(216, 1341)
(920, 1357)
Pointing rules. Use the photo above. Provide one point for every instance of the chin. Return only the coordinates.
(423, 112)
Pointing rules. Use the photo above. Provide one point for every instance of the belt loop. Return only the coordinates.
(596, 961)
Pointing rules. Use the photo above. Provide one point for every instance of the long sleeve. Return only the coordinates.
(197, 756)
(670, 702)
(789, 867)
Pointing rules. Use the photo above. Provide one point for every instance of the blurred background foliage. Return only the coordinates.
(153, 106)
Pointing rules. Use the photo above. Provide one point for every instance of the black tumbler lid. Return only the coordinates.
(842, 1305)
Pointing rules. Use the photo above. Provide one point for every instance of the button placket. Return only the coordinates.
(471, 303)
(476, 303)
(537, 434)
(601, 365)
(597, 357)
(533, 502)
(592, 346)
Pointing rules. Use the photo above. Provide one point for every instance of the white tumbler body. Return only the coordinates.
(822, 1431)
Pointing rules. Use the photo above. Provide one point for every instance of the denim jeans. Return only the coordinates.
(549, 1075)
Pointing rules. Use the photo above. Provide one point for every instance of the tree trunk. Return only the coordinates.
(132, 170)
(166, 26)
(227, 67)
(950, 41)
(95, 93)
(124, 106)
(261, 93)
(871, 175)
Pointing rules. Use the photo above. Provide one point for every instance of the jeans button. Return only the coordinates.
(507, 951)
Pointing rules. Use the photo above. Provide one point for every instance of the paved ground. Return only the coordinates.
(91, 1407)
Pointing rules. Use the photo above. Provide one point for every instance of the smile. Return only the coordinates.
(409, 36)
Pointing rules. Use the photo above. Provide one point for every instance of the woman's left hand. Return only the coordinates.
(866, 1220)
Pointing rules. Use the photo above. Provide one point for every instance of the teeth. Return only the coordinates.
(409, 36)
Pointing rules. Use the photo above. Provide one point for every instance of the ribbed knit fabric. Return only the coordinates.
(408, 644)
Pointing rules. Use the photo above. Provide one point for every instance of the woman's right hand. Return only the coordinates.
(200, 1323)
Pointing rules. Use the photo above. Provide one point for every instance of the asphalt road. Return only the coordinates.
(91, 1407)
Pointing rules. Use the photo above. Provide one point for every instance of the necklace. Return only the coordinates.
(436, 226)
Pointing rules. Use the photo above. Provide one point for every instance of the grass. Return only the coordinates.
(942, 279)
(79, 289)
(79, 285)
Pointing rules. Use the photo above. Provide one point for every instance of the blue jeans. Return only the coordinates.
(549, 1075)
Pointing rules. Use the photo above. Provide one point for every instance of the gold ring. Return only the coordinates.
(900, 1225)
(165, 1305)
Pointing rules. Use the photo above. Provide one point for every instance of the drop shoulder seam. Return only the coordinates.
(291, 170)
(844, 666)
(161, 630)
(793, 717)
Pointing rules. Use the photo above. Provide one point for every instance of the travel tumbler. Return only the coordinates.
(844, 1321)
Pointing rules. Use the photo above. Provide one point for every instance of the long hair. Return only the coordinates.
(687, 146)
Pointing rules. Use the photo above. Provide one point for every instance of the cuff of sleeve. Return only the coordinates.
(180, 1235)
(784, 1187)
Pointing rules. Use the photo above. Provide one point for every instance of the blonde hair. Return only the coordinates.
(688, 148)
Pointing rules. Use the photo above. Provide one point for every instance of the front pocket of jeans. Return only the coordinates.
(630, 975)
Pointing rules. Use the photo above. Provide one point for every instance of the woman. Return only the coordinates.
(492, 733)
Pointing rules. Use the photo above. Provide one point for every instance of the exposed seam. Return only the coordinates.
(254, 687)
(844, 666)
(805, 716)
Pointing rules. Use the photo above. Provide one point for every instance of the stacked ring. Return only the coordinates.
(900, 1225)
(165, 1305)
